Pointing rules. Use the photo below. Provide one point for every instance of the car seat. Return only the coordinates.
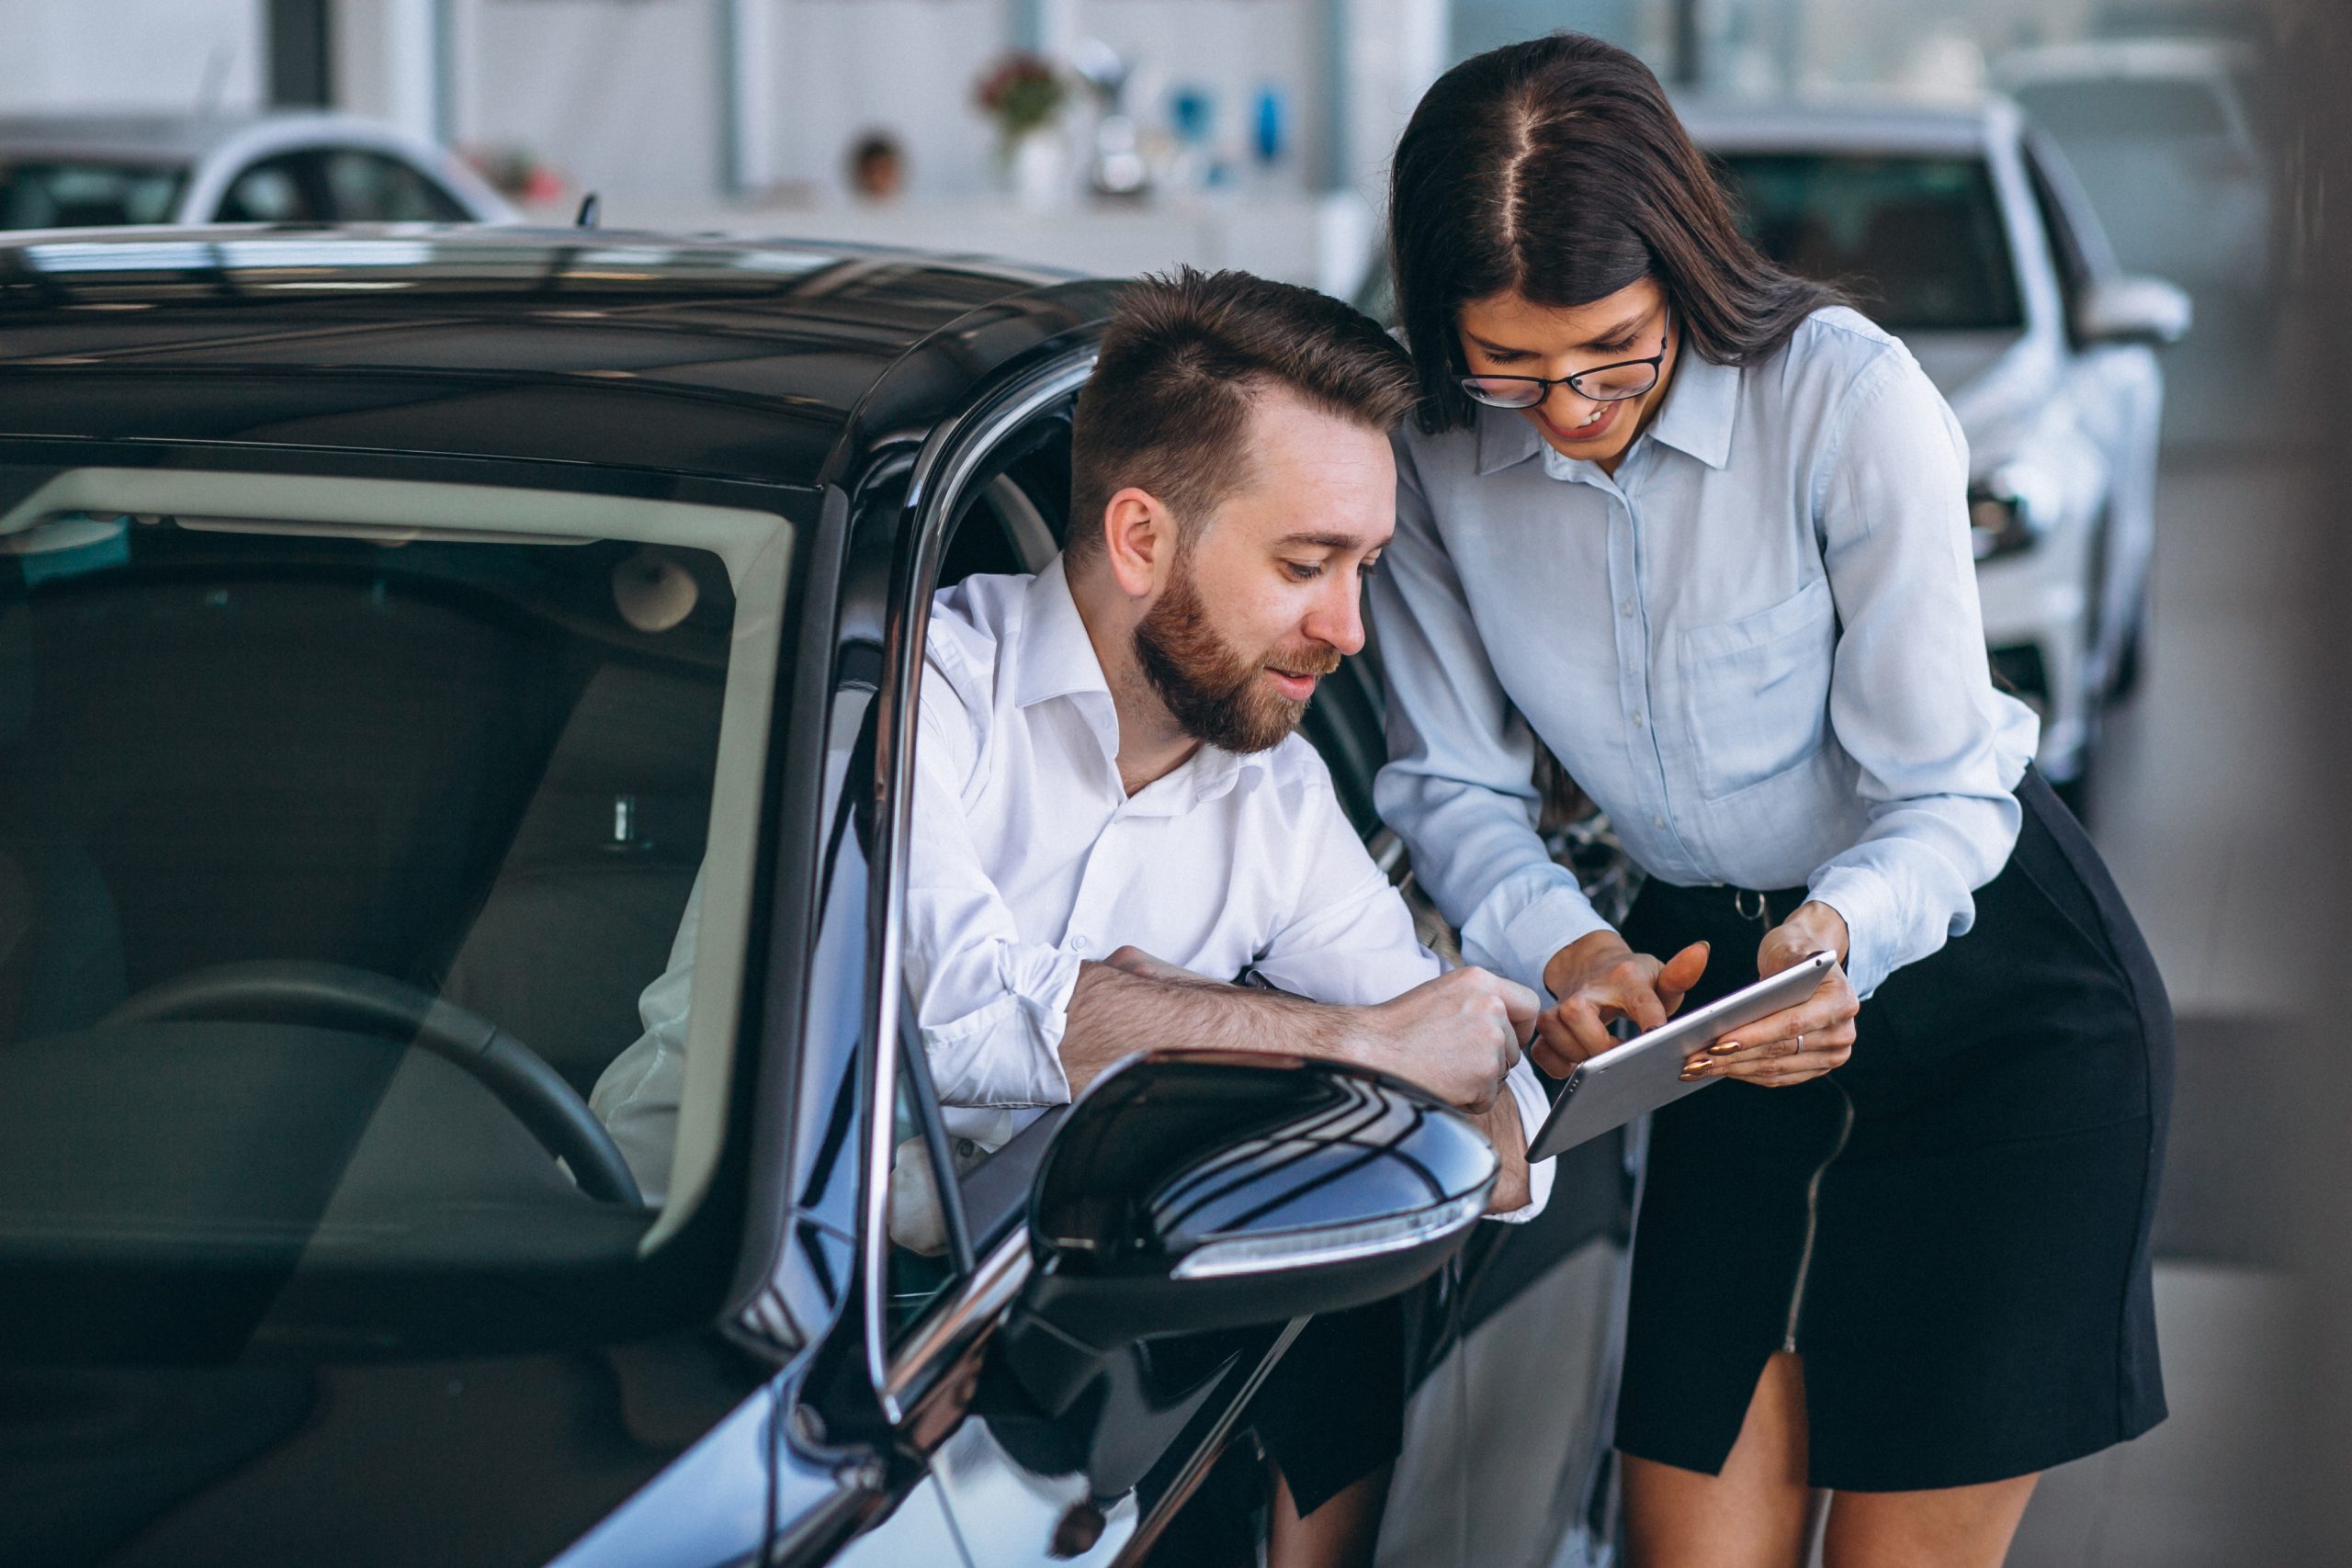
(581, 916)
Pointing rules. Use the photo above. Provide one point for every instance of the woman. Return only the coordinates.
(1702, 531)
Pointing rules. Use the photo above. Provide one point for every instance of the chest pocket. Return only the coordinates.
(1755, 691)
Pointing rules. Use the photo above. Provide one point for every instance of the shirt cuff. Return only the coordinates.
(1864, 902)
(1533, 1107)
(1009, 1053)
(1529, 917)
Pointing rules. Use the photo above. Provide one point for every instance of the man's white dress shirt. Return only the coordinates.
(1030, 858)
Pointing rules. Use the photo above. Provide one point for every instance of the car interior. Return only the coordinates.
(1917, 239)
(1012, 519)
(281, 800)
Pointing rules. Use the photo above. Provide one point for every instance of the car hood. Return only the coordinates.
(1998, 385)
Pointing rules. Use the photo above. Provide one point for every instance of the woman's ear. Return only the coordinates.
(1139, 542)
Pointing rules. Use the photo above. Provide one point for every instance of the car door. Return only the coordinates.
(939, 1258)
(1507, 1455)
(281, 188)
(363, 185)
(337, 185)
(2116, 392)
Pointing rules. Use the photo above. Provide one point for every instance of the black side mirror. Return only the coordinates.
(1189, 1192)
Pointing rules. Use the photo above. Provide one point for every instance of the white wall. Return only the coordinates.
(624, 95)
(1231, 47)
(139, 54)
(844, 66)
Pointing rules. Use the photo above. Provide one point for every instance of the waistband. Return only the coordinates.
(1773, 905)
(1769, 906)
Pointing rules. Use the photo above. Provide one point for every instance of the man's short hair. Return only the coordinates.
(1186, 357)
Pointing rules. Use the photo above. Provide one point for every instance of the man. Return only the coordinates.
(1114, 818)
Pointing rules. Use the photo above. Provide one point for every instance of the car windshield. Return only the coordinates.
(1916, 240)
(79, 193)
(2158, 108)
(341, 824)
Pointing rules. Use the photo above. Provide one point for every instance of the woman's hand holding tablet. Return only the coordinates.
(1642, 1074)
(1799, 1042)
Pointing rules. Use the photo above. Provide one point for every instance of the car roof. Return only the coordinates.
(158, 138)
(1866, 125)
(2129, 59)
(741, 359)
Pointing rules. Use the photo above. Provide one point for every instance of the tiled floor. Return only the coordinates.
(2215, 1485)
(2205, 783)
(2203, 807)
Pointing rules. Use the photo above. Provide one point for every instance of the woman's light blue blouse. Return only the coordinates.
(1758, 648)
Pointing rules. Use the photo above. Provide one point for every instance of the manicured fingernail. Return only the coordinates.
(1724, 1047)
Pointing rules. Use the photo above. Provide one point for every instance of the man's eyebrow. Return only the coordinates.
(1321, 541)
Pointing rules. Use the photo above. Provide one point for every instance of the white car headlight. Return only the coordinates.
(2009, 509)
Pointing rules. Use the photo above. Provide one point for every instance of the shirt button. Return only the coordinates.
(1637, 719)
(965, 1149)
(1626, 608)
(1657, 821)
(1077, 944)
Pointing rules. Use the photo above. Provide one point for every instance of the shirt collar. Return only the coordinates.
(1057, 659)
(1700, 408)
(1697, 419)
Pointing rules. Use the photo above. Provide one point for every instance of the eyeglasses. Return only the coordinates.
(1601, 384)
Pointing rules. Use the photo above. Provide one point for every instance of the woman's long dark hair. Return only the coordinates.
(1556, 170)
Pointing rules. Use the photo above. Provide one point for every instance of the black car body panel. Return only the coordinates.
(751, 1390)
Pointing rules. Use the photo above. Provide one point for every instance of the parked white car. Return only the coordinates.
(1963, 232)
(73, 171)
(2161, 133)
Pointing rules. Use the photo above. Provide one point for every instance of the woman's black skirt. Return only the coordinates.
(1952, 1229)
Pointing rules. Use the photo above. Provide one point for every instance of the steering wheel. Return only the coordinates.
(337, 996)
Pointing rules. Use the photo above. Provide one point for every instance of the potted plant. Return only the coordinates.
(1024, 95)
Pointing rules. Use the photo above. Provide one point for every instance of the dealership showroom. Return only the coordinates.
(656, 654)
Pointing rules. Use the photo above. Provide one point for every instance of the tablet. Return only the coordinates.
(1610, 1089)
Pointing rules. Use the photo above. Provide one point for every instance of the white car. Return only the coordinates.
(2161, 133)
(71, 171)
(1963, 231)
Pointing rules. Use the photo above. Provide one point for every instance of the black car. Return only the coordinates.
(392, 635)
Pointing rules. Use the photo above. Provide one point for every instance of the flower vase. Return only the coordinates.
(1037, 169)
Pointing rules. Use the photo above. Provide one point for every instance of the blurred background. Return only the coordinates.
(2100, 223)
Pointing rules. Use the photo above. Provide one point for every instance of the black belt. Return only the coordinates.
(1766, 906)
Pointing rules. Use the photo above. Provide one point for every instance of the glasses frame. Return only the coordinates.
(1544, 384)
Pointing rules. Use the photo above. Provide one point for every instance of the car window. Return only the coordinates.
(1007, 520)
(929, 1251)
(278, 190)
(342, 824)
(1918, 241)
(2068, 250)
(2156, 109)
(75, 192)
(373, 187)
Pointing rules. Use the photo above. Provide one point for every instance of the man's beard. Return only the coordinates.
(1211, 691)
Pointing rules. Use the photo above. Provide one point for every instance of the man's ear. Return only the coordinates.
(1139, 542)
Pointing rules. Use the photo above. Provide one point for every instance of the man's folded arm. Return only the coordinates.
(1351, 941)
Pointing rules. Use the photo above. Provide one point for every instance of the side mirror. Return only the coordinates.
(2133, 309)
(1196, 1191)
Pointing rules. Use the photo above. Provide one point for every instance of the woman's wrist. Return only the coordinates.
(1824, 927)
